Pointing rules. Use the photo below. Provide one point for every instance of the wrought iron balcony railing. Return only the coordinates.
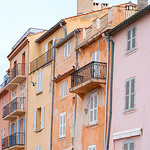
(16, 104)
(41, 60)
(16, 139)
(89, 71)
(18, 69)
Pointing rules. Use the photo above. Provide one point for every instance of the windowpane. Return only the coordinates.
(60, 130)
(91, 105)
(132, 101)
(132, 85)
(63, 129)
(95, 101)
(131, 146)
(133, 42)
(127, 88)
(127, 102)
(95, 114)
(133, 32)
(126, 146)
(129, 34)
(129, 42)
(91, 116)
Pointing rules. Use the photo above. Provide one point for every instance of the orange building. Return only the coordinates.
(80, 83)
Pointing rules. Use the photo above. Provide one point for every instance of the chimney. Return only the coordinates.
(84, 6)
(142, 4)
(104, 5)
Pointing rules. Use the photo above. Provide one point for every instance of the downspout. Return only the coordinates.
(52, 107)
(111, 84)
(106, 99)
(75, 106)
(65, 30)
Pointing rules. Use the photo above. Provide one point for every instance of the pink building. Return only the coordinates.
(130, 126)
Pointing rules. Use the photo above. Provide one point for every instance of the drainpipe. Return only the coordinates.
(52, 107)
(75, 106)
(65, 30)
(106, 99)
(111, 84)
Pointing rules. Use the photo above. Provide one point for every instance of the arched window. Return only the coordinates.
(128, 145)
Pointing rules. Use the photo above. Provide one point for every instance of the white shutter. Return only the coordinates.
(93, 56)
(42, 117)
(14, 95)
(61, 90)
(38, 82)
(127, 96)
(3, 133)
(65, 50)
(4, 103)
(46, 52)
(62, 124)
(61, 127)
(129, 40)
(65, 89)
(35, 120)
(41, 77)
(40, 74)
(98, 55)
(69, 48)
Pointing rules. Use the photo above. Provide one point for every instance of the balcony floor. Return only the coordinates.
(18, 79)
(17, 147)
(87, 85)
(10, 86)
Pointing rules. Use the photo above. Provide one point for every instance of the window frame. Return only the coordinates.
(96, 108)
(131, 49)
(128, 141)
(62, 125)
(66, 50)
(130, 94)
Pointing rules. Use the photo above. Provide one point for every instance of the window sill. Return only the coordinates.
(62, 138)
(126, 112)
(92, 125)
(39, 93)
(62, 98)
(66, 57)
(131, 52)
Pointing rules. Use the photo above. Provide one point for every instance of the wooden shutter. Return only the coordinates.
(23, 140)
(42, 117)
(65, 50)
(61, 127)
(65, 88)
(41, 77)
(18, 131)
(46, 52)
(35, 120)
(91, 108)
(40, 81)
(132, 90)
(133, 37)
(98, 55)
(128, 40)
(95, 107)
(93, 56)
(62, 124)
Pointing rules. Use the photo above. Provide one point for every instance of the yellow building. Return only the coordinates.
(16, 110)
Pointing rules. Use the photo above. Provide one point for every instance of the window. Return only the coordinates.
(4, 109)
(38, 148)
(93, 108)
(92, 147)
(131, 39)
(130, 94)
(22, 98)
(3, 135)
(96, 56)
(46, 52)
(39, 81)
(128, 145)
(39, 118)
(62, 125)
(63, 90)
(67, 49)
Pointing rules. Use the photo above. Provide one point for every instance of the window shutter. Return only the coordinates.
(127, 96)
(133, 37)
(125, 146)
(15, 127)
(14, 95)
(3, 133)
(132, 93)
(93, 56)
(46, 52)
(38, 81)
(64, 123)
(61, 122)
(91, 108)
(42, 117)
(35, 120)
(61, 90)
(10, 129)
(69, 48)
(65, 88)
(18, 131)
(98, 55)
(65, 50)
(4, 103)
(95, 107)
(128, 40)
(131, 146)
(23, 130)
(41, 77)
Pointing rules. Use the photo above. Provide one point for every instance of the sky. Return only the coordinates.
(17, 16)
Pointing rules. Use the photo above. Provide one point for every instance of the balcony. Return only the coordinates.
(15, 108)
(88, 77)
(15, 141)
(41, 61)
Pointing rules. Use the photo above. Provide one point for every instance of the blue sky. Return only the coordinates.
(16, 16)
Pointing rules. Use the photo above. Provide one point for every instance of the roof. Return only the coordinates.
(50, 31)
(66, 38)
(29, 31)
(129, 21)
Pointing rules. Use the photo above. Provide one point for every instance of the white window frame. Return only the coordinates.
(93, 109)
(40, 81)
(130, 94)
(63, 125)
(128, 142)
(63, 89)
(92, 147)
(67, 49)
(131, 39)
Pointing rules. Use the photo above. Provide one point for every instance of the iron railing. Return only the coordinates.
(15, 139)
(16, 104)
(6, 81)
(104, 21)
(18, 69)
(130, 10)
(41, 60)
(91, 70)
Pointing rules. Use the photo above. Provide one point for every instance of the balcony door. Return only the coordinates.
(96, 65)
(22, 98)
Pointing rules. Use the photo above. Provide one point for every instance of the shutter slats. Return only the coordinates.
(62, 124)
(35, 120)
(42, 117)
